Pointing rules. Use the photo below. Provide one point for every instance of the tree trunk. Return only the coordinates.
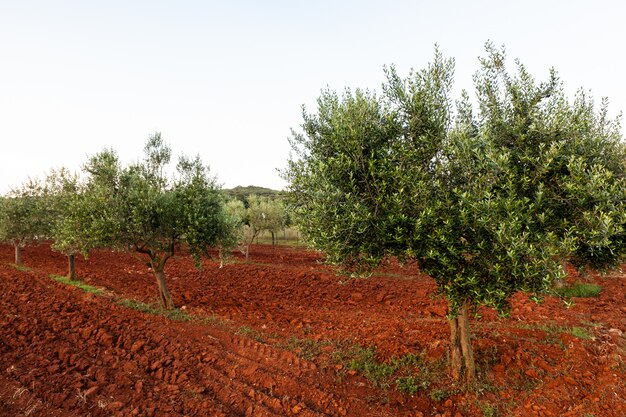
(164, 293)
(18, 255)
(461, 352)
(247, 251)
(455, 349)
(71, 267)
(466, 344)
(273, 238)
(221, 255)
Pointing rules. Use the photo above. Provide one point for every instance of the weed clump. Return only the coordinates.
(579, 290)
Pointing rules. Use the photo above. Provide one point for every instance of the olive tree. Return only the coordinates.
(276, 218)
(256, 215)
(143, 211)
(490, 202)
(71, 211)
(24, 217)
(264, 214)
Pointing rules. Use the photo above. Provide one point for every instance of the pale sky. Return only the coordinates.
(226, 79)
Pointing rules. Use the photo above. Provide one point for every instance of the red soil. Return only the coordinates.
(64, 352)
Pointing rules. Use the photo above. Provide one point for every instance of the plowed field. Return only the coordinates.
(285, 335)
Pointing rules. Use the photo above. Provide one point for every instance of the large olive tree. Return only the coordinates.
(490, 202)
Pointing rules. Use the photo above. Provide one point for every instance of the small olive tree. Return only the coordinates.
(139, 209)
(70, 211)
(256, 215)
(24, 217)
(489, 204)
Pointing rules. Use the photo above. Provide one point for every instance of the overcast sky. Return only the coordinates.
(226, 79)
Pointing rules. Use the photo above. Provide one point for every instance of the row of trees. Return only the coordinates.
(490, 199)
(136, 208)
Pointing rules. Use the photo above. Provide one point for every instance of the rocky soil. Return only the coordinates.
(273, 337)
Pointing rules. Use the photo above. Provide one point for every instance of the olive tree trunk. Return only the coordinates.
(71, 267)
(456, 365)
(157, 265)
(461, 347)
(221, 255)
(18, 255)
(466, 345)
(164, 293)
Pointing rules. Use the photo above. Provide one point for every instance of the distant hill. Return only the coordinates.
(241, 192)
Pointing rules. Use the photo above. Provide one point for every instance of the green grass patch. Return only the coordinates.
(172, 314)
(581, 333)
(579, 290)
(305, 348)
(554, 330)
(549, 328)
(407, 373)
(22, 268)
(410, 384)
(251, 333)
(77, 283)
(440, 394)
(363, 360)
(489, 410)
(215, 321)
(155, 309)
(592, 324)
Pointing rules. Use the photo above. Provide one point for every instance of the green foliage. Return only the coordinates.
(568, 159)
(231, 232)
(343, 174)
(580, 290)
(490, 202)
(440, 394)
(410, 384)
(203, 222)
(242, 193)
